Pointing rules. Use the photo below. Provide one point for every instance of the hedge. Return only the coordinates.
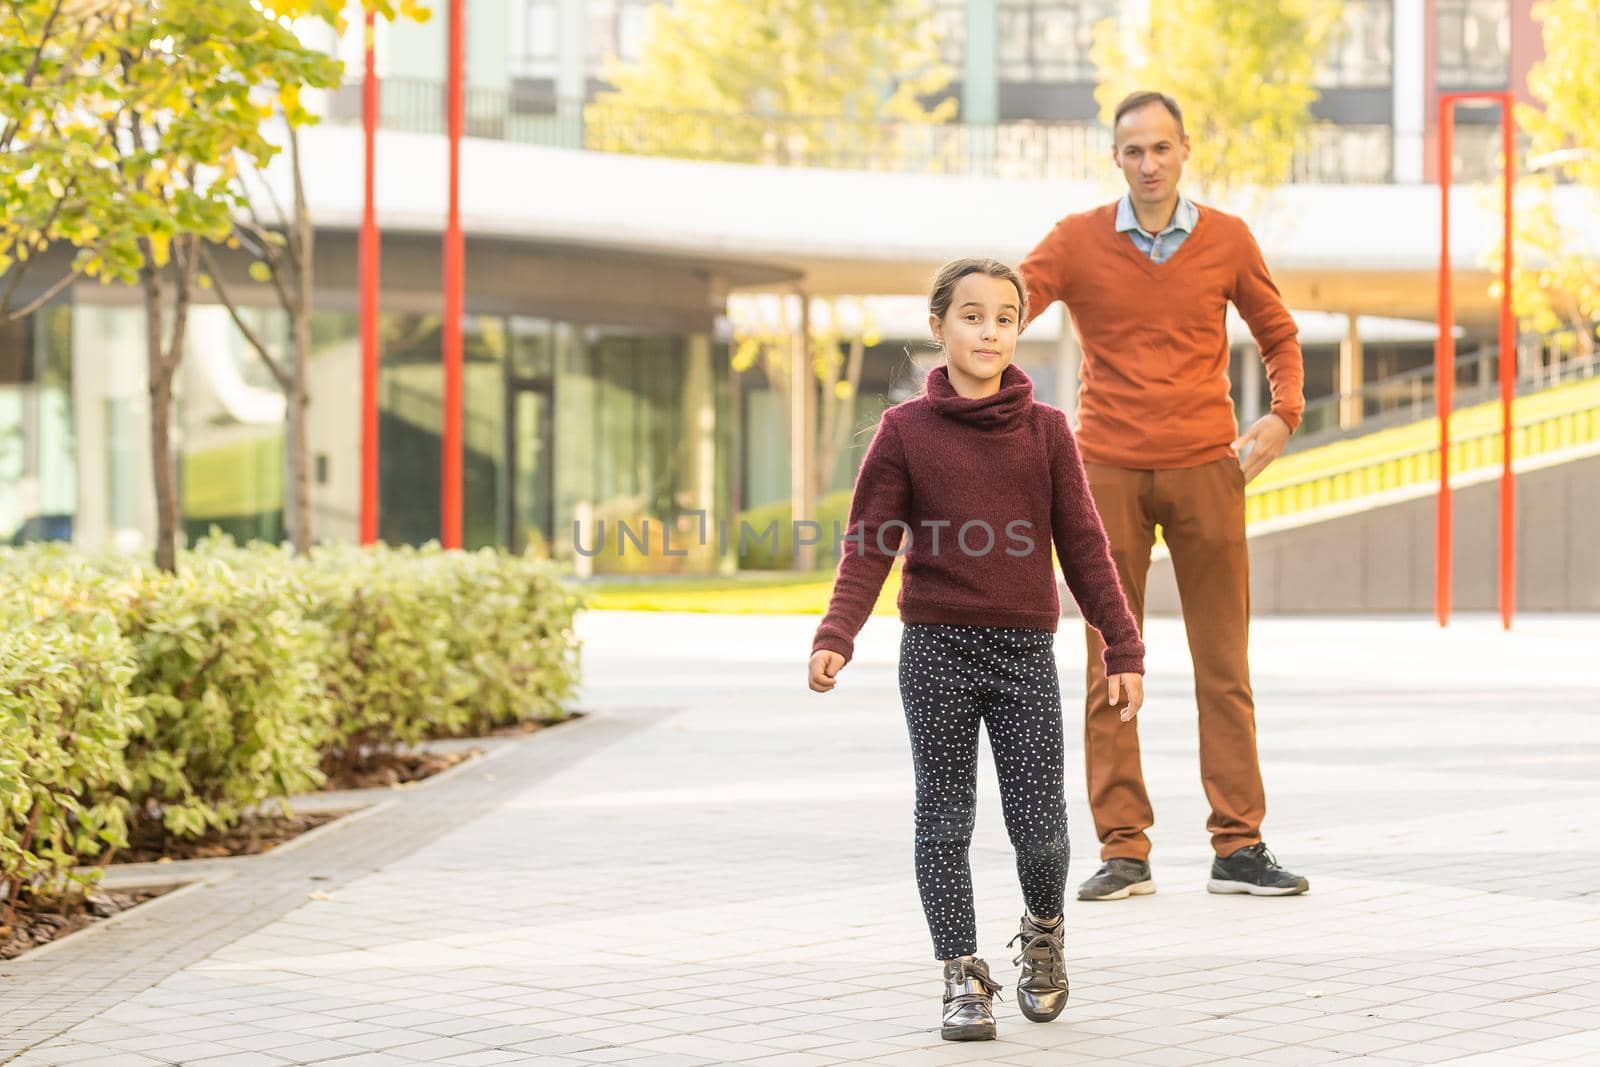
(129, 695)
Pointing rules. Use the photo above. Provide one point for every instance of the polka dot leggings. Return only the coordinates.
(951, 678)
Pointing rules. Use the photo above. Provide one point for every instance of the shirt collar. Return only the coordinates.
(1183, 217)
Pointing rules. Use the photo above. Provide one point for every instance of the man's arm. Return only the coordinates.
(1278, 338)
(1261, 305)
(1045, 271)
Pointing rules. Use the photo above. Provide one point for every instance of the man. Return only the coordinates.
(1147, 281)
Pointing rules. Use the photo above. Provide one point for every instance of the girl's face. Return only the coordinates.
(979, 333)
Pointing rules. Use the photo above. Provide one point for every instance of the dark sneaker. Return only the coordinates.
(1117, 879)
(1253, 870)
(1042, 985)
(968, 1001)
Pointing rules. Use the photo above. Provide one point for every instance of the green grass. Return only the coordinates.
(766, 594)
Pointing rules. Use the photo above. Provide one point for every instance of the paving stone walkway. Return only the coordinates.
(715, 867)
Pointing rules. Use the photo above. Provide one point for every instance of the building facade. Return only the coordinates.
(597, 380)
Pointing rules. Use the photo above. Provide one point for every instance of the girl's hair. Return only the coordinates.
(944, 283)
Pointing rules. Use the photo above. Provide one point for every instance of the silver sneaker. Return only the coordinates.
(1042, 985)
(968, 1001)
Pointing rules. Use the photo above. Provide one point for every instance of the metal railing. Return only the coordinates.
(1558, 408)
(1032, 149)
(1542, 361)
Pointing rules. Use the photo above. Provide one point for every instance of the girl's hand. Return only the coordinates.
(825, 666)
(1130, 686)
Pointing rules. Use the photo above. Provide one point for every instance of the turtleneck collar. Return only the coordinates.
(1003, 410)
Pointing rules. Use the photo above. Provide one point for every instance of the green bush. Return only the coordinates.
(65, 717)
(233, 709)
(388, 614)
(187, 700)
(513, 628)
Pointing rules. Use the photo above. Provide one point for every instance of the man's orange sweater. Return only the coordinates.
(1154, 390)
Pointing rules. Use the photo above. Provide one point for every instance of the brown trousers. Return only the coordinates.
(1201, 513)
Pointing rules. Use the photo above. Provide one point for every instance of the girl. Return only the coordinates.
(973, 481)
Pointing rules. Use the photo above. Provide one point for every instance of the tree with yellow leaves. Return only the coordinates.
(1244, 74)
(1555, 280)
(796, 82)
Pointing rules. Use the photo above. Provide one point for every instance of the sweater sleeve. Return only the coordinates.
(1080, 540)
(882, 495)
(1044, 271)
(1261, 305)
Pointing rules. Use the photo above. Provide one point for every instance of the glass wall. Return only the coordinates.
(410, 421)
(636, 440)
(562, 423)
(111, 422)
(38, 475)
(230, 429)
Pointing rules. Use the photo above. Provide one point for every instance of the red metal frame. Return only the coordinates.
(369, 254)
(454, 296)
(1445, 362)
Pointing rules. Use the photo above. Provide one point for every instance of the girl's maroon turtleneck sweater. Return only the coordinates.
(973, 493)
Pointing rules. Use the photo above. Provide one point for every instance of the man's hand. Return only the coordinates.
(1268, 437)
(825, 666)
(1129, 686)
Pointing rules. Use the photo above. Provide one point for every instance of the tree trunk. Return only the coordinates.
(162, 466)
(164, 356)
(298, 445)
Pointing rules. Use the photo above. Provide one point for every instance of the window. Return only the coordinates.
(1334, 154)
(950, 27)
(1474, 43)
(535, 37)
(1049, 40)
(617, 28)
(633, 25)
(1475, 151)
(1362, 50)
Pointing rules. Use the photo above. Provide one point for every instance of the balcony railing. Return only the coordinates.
(1542, 361)
(1042, 150)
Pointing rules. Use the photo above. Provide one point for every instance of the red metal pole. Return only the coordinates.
(1508, 381)
(1444, 370)
(369, 252)
(454, 296)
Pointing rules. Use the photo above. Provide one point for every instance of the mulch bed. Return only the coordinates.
(147, 843)
(376, 770)
(39, 922)
(255, 834)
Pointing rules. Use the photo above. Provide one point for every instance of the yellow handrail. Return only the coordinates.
(1561, 417)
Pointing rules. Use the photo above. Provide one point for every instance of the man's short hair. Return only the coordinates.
(1144, 98)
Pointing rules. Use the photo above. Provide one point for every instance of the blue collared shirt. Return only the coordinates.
(1158, 246)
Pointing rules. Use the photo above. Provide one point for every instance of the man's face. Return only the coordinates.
(1151, 151)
